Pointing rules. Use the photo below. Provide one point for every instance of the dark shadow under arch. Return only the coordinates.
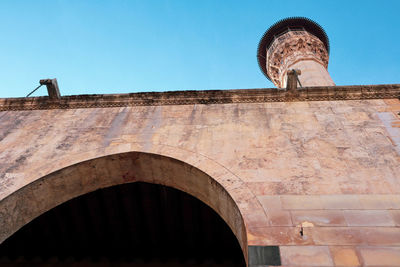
(42, 195)
(138, 224)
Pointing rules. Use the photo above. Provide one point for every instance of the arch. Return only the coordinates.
(59, 186)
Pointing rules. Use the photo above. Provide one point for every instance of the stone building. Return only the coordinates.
(306, 174)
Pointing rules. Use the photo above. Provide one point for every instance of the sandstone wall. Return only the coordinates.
(321, 179)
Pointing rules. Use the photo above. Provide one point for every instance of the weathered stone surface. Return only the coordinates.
(301, 202)
(381, 256)
(344, 256)
(306, 256)
(329, 166)
(319, 217)
(368, 218)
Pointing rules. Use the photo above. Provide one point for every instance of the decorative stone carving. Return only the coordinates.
(290, 48)
(319, 93)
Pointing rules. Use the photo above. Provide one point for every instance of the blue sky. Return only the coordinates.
(132, 46)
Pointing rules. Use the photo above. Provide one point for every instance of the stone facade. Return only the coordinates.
(320, 179)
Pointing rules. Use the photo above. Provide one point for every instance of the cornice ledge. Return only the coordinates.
(325, 93)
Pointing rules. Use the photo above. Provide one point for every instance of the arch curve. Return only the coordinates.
(59, 186)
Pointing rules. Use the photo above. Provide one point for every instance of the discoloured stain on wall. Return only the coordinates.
(289, 166)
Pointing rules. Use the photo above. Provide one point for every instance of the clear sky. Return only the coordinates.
(131, 46)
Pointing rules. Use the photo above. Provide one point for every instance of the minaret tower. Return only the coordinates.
(295, 44)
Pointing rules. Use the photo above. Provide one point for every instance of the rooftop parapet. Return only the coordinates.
(318, 93)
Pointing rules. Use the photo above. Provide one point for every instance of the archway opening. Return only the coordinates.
(137, 224)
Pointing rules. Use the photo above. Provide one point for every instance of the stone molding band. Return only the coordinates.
(323, 93)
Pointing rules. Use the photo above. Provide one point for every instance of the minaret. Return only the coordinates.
(295, 44)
